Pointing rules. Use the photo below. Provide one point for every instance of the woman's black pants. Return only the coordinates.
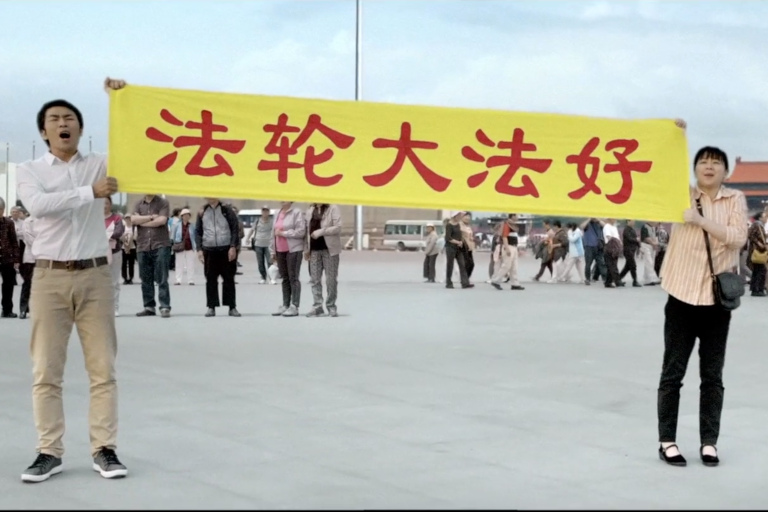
(683, 323)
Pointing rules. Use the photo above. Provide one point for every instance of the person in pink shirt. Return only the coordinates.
(286, 248)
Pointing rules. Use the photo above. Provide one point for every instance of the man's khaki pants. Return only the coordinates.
(507, 265)
(85, 298)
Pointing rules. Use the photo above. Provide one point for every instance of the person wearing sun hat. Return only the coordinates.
(185, 247)
(430, 253)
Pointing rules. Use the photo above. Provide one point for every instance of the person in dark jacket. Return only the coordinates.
(10, 260)
(631, 247)
(218, 237)
(454, 252)
(594, 250)
(756, 242)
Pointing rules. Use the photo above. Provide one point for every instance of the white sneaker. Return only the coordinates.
(263, 281)
(280, 311)
(273, 282)
(117, 313)
(291, 311)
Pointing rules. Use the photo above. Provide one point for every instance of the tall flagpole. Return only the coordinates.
(358, 96)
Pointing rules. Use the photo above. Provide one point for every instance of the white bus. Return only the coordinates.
(408, 234)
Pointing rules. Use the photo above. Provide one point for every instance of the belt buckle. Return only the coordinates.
(73, 265)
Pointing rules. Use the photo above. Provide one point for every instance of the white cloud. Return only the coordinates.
(294, 68)
(343, 43)
(625, 68)
(698, 60)
(605, 9)
(717, 83)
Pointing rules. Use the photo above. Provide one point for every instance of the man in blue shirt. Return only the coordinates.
(594, 242)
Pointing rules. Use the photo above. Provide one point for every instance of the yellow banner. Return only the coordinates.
(206, 144)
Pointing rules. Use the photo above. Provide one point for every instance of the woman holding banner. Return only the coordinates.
(697, 276)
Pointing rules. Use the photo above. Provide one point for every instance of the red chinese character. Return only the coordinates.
(204, 143)
(514, 162)
(582, 160)
(625, 167)
(280, 145)
(405, 150)
(622, 165)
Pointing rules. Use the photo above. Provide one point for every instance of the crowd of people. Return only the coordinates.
(593, 248)
(161, 242)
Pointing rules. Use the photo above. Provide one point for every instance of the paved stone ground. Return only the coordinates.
(415, 397)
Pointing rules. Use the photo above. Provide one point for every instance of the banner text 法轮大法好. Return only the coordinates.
(206, 144)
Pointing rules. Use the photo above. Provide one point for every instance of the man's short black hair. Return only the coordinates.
(52, 104)
(557, 224)
(711, 152)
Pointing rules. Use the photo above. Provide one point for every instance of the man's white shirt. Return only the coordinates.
(59, 195)
(609, 231)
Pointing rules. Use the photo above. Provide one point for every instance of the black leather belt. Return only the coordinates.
(73, 265)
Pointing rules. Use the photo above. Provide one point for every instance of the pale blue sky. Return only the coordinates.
(704, 61)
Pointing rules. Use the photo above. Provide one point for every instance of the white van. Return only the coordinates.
(408, 234)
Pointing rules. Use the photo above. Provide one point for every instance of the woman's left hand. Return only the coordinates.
(692, 216)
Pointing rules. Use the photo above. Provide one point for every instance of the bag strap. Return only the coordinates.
(706, 242)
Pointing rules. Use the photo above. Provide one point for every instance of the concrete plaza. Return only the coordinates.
(414, 397)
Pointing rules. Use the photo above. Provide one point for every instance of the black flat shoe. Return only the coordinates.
(709, 460)
(677, 460)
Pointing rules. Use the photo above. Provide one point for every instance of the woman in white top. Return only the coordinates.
(613, 251)
(27, 268)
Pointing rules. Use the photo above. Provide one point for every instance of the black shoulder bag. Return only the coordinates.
(726, 286)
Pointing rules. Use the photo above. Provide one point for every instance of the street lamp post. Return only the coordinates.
(358, 96)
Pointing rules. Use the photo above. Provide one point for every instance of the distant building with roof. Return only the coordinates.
(752, 179)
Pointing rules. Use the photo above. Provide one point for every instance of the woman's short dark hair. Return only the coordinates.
(711, 152)
(56, 103)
